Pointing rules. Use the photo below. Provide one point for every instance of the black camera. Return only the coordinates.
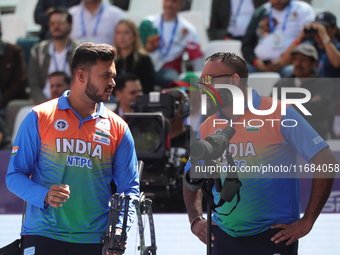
(310, 30)
(150, 128)
(213, 146)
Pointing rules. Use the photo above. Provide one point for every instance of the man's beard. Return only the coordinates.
(226, 98)
(93, 93)
(61, 36)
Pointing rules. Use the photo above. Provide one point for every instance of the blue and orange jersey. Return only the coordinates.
(266, 198)
(54, 145)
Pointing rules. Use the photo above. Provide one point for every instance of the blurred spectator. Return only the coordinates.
(229, 19)
(187, 82)
(42, 10)
(5, 139)
(167, 36)
(51, 55)
(95, 21)
(322, 34)
(127, 88)
(305, 58)
(271, 30)
(13, 77)
(59, 83)
(336, 122)
(132, 58)
(180, 144)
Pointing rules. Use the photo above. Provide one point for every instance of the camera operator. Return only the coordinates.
(322, 34)
(128, 87)
(180, 135)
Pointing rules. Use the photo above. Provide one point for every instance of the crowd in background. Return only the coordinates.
(153, 54)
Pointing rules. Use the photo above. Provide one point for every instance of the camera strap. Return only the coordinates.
(209, 197)
(230, 188)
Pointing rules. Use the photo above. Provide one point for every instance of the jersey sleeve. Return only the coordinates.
(22, 163)
(125, 173)
(300, 135)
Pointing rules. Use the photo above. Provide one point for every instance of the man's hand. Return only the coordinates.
(57, 195)
(152, 43)
(322, 32)
(275, 65)
(291, 232)
(200, 230)
(261, 66)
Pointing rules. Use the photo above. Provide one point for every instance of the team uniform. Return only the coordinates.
(176, 37)
(270, 198)
(55, 145)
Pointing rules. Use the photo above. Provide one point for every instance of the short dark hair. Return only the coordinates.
(61, 11)
(122, 79)
(233, 61)
(87, 54)
(66, 78)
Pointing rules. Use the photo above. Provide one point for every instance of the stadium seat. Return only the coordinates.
(8, 6)
(137, 19)
(263, 82)
(223, 45)
(333, 7)
(145, 8)
(196, 19)
(26, 45)
(19, 118)
(321, 4)
(203, 7)
(13, 27)
(25, 10)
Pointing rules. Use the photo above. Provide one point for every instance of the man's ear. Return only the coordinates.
(81, 75)
(235, 79)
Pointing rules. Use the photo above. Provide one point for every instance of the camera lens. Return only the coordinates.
(146, 134)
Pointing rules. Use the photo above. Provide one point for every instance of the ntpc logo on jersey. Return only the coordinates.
(238, 104)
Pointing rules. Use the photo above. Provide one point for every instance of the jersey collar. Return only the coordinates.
(63, 104)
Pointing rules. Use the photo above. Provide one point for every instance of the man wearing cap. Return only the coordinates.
(322, 34)
(304, 60)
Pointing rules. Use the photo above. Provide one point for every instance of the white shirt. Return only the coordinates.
(98, 27)
(58, 63)
(300, 14)
(239, 22)
(184, 38)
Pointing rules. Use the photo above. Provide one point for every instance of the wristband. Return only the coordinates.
(296, 42)
(195, 220)
(326, 40)
(255, 62)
